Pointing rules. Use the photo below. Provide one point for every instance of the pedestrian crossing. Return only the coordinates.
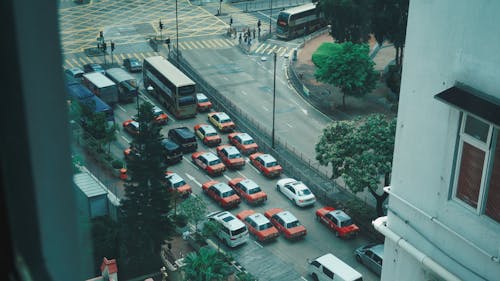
(268, 49)
(208, 44)
(71, 61)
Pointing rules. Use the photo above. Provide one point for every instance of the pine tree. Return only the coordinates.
(145, 212)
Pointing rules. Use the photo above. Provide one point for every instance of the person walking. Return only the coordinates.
(253, 33)
(240, 38)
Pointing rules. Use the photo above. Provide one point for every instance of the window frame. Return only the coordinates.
(488, 148)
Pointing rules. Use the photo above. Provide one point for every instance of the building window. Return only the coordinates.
(478, 168)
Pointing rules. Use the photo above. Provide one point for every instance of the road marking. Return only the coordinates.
(304, 110)
(258, 172)
(265, 108)
(120, 107)
(241, 174)
(190, 162)
(227, 177)
(125, 139)
(225, 78)
(193, 179)
(244, 93)
(289, 125)
(258, 244)
(303, 278)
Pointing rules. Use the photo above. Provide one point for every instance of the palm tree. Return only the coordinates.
(206, 265)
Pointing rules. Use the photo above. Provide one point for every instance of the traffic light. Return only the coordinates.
(112, 46)
(161, 25)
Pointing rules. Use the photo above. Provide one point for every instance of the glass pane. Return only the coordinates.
(471, 170)
(493, 200)
(476, 128)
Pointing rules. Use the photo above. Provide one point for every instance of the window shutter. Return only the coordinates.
(471, 170)
(493, 200)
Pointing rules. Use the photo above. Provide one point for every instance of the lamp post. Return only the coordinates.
(177, 35)
(274, 101)
(270, 17)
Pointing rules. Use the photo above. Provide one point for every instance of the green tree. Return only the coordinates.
(350, 68)
(361, 152)
(206, 265)
(105, 239)
(349, 20)
(194, 208)
(145, 219)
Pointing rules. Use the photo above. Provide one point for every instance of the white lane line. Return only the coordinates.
(193, 179)
(244, 93)
(289, 125)
(225, 78)
(303, 278)
(241, 174)
(265, 108)
(304, 110)
(190, 162)
(227, 177)
(125, 139)
(258, 172)
(120, 107)
(258, 244)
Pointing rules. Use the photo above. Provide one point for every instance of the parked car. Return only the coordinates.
(230, 156)
(244, 142)
(249, 190)
(286, 223)
(203, 103)
(372, 256)
(207, 134)
(176, 183)
(260, 226)
(221, 121)
(296, 191)
(93, 67)
(132, 64)
(266, 164)
(209, 162)
(171, 151)
(131, 126)
(222, 193)
(232, 231)
(184, 137)
(338, 221)
(75, 72)
(160, 116)
(131, 153)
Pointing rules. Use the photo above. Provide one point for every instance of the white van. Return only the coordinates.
(328, 267)
(233, 232)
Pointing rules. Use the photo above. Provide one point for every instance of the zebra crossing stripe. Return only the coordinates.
(137, 56)
(210, 44)
(192, 45)
(271, 51)
(260, 46)
(68, 63)
(230, 42)
(75, 62)
(196, 44)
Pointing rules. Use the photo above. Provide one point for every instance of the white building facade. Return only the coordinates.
(443, 219)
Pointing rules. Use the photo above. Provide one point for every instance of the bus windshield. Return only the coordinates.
(187, 90)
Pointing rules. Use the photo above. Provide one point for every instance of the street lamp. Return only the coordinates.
(274, 100)
(270, 17)
(177, 35)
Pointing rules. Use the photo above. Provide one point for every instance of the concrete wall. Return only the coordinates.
(447, 41)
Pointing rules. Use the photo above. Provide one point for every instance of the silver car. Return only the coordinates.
(371, 256)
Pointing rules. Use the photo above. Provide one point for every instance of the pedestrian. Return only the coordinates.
(245, 37)
(253, 33)
(240, 38)
(249, 41)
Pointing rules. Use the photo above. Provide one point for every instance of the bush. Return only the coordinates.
(324, 51)
(180, 220)
(117, 164)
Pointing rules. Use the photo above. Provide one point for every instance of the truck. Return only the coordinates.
(102, 87)
(85, 97)
(126, 83)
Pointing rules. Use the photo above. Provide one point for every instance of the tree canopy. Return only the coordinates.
(349, 68)
(349, 20)
(361, 152)
(206, 265)
(145, 219)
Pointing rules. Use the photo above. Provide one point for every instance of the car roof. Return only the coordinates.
(287, 217)
(222, 115)
(210, 156)
(378, 249)
(135, 124)
(339, 214)
(267, 158)
(201, 95)
(184, 132)
(231, 150)
(332, 262)
(244, 136)
(248, 183)
(227, 219)
(75, 70)
(169, 144)
(258, 218)
(298, 185)
(208, 128)
(174, 178)
(222, 187)
(156, 109)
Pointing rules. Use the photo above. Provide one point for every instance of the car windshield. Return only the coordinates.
(228, 193)
(303, 192)
(254, 190)
(135, 63)
(225, 120)
(271, 164)
(212, 134)
(234, 156)
(248, 141)
(179, 183)
(345, 222)
(202, 99)
(265, 226)
(292, 224)
(214, 162)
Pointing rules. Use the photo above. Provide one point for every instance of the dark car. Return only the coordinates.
(132, 64)
(93, 67)
(171, 151)
(184, 137)
(74, 72)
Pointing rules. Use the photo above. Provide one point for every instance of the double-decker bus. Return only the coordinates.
(299, 21)
(171, 87)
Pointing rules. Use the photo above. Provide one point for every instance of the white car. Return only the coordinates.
(296, 191)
